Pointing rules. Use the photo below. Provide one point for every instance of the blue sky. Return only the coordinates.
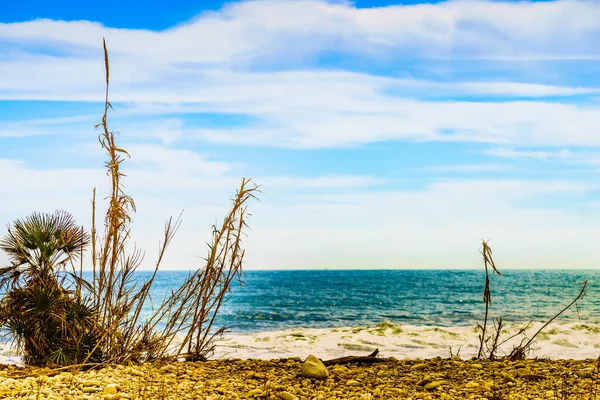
(385, 135)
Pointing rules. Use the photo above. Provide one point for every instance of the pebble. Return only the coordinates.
(314, 368)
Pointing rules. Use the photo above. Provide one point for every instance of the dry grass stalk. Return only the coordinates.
(520, 352)
(488, 262)
(191, 309)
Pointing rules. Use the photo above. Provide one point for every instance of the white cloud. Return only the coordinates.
(311, 114)
(469, 168)
(263, 29)
(581, 157)
(204, 66)
(517, 123)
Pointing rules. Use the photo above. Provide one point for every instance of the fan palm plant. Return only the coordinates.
(50, 322)
(41, 245)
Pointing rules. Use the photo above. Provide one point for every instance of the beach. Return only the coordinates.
(423, 323)
(414, 363)
(437, 378)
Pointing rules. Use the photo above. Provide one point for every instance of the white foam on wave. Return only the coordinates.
(557, 341)
(9, 354)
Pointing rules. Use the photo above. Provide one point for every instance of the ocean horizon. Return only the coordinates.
(403, 313)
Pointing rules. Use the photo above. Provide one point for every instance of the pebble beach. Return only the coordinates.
(294, 378)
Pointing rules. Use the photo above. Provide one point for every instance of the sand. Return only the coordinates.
(437, 378)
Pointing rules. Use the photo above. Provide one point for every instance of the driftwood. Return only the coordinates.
(370, 359)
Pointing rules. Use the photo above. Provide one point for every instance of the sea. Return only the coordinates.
(402, 313)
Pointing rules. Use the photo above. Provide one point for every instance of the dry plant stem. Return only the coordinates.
(487, 294)
(520, 332)
(207, 288)
(494, 348)
(118, 300)
(519, 351)
(115, 296)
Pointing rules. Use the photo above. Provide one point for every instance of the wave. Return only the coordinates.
(566, 340)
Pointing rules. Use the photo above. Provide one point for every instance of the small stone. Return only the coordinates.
(255, 393)
(111, 388)
(424, 381)
(286, 396)
(433, 385)
(352, 382)
(339, 370)
(221, 390)
(418, 367)
(314, 368)
(260, 375)
(533, 377)
(507, 377)
(133, 371)
(523, 371)
(91, 383)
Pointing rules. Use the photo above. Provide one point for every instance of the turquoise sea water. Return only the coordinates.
(403, 313)
(276, 300)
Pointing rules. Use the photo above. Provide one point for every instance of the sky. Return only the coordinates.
(384, 134)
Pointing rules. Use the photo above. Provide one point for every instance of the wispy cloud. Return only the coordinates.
(470, 168)
(250, 30)
(583, 157)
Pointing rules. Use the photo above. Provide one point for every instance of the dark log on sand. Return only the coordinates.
(370, 359)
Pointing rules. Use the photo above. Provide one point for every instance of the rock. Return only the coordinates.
(533, 377)
(133, 371)
(286, 396)
(339, 370)
(418, 367)
(424, 381)
(314, 368)
(521, 372)
(111, 388)
(91, 382)
(352, 382)
(255, 393)
(114, 396)
(507, 377)
(433, 385)
(260, 375)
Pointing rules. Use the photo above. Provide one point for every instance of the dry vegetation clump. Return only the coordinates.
(490, 344)
(57, 317)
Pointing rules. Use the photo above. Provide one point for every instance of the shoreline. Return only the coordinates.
(561, 340)
(434, 378)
